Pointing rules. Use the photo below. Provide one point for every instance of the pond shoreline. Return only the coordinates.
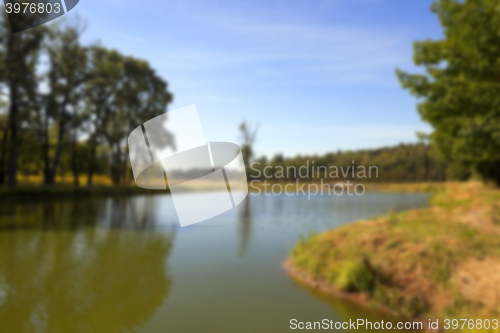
(302, 277)
(307, 280)
(62, 191)
(416, 264)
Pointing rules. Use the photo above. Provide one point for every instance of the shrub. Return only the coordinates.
(354, 276)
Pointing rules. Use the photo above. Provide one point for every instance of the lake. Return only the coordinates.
(122, 264)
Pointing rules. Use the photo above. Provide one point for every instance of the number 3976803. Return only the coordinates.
(470, 323)
(33, 8)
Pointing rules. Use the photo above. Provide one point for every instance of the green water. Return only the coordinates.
(121, 264)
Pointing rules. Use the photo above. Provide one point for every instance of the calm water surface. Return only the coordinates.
(121, 264)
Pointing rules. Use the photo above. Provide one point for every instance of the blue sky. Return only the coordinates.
(317, 76)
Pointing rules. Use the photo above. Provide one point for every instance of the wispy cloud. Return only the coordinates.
(327, 52)
(318, 75)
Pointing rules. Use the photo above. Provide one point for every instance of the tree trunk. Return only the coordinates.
(60, 138)
(13, 113)
(115, 166)
(74, 161)
(91, 162)
(45, 150)
(74, 167)
(53, 169)
(123, 168)
(3, 154)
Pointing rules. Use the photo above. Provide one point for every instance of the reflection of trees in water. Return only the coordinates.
(62, 270)
(48, 215)
(245, 225)
(134, 213)
(278, 208)
(91, 280)
(116, 212)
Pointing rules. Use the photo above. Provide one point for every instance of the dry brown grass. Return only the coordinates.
(442, 261)
(479, 281)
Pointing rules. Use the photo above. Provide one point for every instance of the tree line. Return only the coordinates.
(417, 162)
(68, 107)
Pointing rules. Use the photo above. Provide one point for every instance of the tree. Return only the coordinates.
(18, 61)
(141, 96)
(248, 135)
(100, 91)
(124, 93)
(460, 92)
(4, 132)
(66, 101)
(67, 73)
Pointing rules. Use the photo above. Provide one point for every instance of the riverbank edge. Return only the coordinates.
(307, 280)
(58, 191)
(302, 277)
(61, 191)
(364, 299)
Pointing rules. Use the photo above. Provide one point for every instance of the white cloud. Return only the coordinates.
(326, 53)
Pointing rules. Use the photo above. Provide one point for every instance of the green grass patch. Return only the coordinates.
(417, 255)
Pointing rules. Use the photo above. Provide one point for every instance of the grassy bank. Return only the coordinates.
(439, 262)
(31, 186)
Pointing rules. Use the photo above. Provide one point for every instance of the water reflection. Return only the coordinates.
(350, 311)
(61, 272)
(245, 225)
(107, 264)
(117, 212)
